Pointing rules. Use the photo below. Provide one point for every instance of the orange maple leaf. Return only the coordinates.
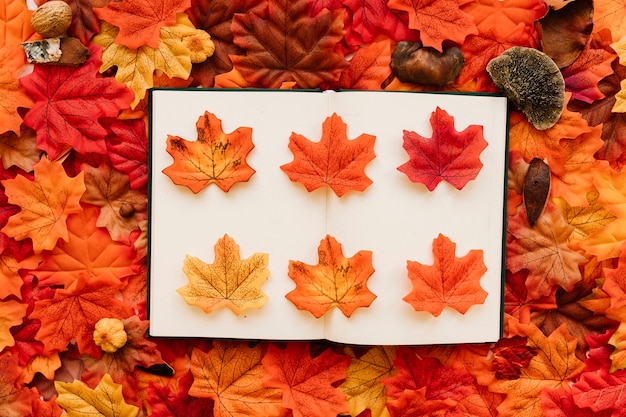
(15, 26)
(369, 68)
(13, 313)
(503, 16)
(231, 374)
(140, 21)
(12, 94)
(334, 281)
(555, 365)
(450, 282)
(228, 282)
(543, 250)
(335, 160)
(306, 381)
(610, 14)
(437, 20)
(215, 157)
(45, 204)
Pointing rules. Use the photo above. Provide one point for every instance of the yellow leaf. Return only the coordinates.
(136, 67)
(228, 282)
(45, 204)
(363, 386)
(45, 365)
(105, 400)
(585, 219)
(620, 99)
(11, 314)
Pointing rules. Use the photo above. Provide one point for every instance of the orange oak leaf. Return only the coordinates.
(89, 251)
(231, 374)
(336, 281)
(335, 160)
(450, 282)
(363, 385)
(289, 45)
(140, 21)
(12, 314)
(448, 155)
(228, 282)
(106, 399)
(306, 382)
(12, 94)
(74, 311)
(437, 20)
(45, 204)
(121, 208)
(555, 365)
(543, 250)
(215, 157)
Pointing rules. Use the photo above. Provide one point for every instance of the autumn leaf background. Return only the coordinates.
(73, 217)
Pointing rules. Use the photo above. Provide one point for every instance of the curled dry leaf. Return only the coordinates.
(565, 32)
(533, 82)
(413, 63)
(536, 189)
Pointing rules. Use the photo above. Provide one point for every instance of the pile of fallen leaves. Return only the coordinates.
(73, 213)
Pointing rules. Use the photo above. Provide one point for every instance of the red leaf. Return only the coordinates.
(437, 20)
(15, 399)
(371, 18)
(448, 155)
(414, 403)
(74, 311)
(414, 373)
(68, 103)
(518, 303)
(601, 390)
(558, 402)
(166, 403)
(369, 68)
(583, 75)
(127, 147)
(85, 24)
(140, 21)
(289, 45)
(307, 382)
(510, 355)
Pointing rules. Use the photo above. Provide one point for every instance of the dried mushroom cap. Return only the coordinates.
(413, 63)
(532, 81)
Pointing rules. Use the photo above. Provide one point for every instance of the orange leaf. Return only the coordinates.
(503, 16)
(306, 382)
(610, 14)
(15, 399)
(10, 279)
(554, 366)
(140, 21)
(11, 314)
(45, 204)
(15, 25)
(543, 250)
(215, 157)
(336, 281)
(335, 160)
(289, 45)
(450, 282)
(12, 94)
(368, 69)
(437, 20)
(228, 282)
(231, 374)
(89, 251)
(414, 403)
(20, 149)
(363, 385)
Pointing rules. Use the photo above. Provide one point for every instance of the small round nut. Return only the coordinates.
(52, 18)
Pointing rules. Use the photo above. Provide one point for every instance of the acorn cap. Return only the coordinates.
(531, 80)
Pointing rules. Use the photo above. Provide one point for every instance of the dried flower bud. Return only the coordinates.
(412, 63)
(110, 334)
(52, 18)
(126, 210)
(200, 45)
(532, 81)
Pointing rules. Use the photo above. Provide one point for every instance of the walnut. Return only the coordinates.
(52, 18)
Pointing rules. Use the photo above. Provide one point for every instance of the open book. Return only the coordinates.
(394, 218)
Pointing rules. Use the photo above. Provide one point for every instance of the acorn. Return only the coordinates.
(52, 18)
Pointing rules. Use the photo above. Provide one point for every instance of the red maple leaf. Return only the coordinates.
(84, 24)
(559, 402)
(448, 155)
(517, 302)
(450, 282)
(510, 355)
(15, 398)
(127, 147)
(371, 18)
(307, 382)
(166, 403)
(68, 103)
(437, 20)
(414, 373)
(368, 69)
(601, 390)
(289, 45)
(74, 311)
(335, 160)
(414, 403)
(582, 76)
(140, 21)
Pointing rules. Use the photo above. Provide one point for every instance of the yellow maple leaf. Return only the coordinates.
(229, 281)
(585, 219)
(363, 385)
(135, 67)
(105, 400)
(620, 98)
(45, 204)
(12, 314)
